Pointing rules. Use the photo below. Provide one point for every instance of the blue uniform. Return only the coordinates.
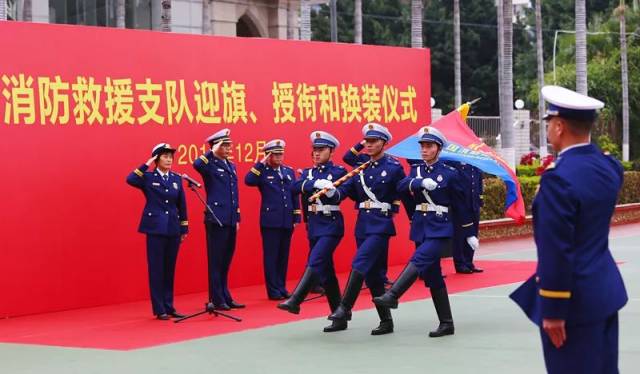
(432, 224)
(164, 219)
(577, 279)
(325, 224)
(374, 225)
(279, 211)
(221, 184)
(472, 183)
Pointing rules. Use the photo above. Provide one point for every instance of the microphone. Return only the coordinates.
(191, 180)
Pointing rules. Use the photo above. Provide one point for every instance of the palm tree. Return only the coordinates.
(456, 51)
(581, 47)
(540, 57)
(206, 17)
(333, 11)
(305, 20)
(506, 86)
(27, 11)
(625, 81)
(165, 22)
(120, 14)
(416, 24)
(357, 21)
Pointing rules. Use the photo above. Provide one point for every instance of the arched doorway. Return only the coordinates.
(246, 27)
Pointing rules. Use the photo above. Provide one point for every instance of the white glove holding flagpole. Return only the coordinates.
(325, 184)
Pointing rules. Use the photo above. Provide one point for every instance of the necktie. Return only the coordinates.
(166, 178)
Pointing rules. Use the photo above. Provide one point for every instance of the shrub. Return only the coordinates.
(526, 170)
(495, 193)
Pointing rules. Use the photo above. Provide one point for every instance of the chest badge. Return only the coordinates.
(384, 173)
(330, 177)
(439, 178)
(175, 185)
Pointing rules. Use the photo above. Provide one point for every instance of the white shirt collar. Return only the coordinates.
(573, 146)
(161, 173)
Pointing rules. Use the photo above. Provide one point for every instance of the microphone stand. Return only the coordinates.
(208, 306)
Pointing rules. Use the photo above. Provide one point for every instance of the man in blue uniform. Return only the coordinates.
(279, 212)
(462, 251)
(325, 226)
(577, 290)
(221, 184)
(440, 203)
(376, 198)
(164, 220)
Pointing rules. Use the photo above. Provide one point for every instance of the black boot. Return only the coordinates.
(400, 286)
(351, 292)
(443, 308)
(332, 292)
(386, 322)
(292, 305)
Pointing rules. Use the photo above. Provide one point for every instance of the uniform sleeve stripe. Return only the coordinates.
(138, 172)
(184, 223)
(204, 159)
(555, 294)
(397, 202)
(255, 171)
(297, 211)
(354, 151)
(468, 224)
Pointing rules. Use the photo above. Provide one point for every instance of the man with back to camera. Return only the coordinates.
(577, 290)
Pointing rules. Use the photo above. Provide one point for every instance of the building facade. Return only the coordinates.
(279, 19)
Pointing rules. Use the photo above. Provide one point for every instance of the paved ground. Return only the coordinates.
(492, 336)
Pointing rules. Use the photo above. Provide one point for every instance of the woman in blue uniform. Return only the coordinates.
(164, 220)
(436, 189)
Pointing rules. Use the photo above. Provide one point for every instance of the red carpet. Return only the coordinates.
(131, 326)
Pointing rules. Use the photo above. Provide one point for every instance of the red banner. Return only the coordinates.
(81, 107)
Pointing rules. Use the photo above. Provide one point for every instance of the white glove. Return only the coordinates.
(322, 183)
(429, 184)
(473, 242)
(216, 146)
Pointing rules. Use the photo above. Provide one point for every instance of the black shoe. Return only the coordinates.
(464, 270)
(400, 286)
(235, 305)
(163, 317)
(336, 326)
(351, 292)
(177, 315)
(279, 297)
(385, 327)
(444, 329)
(292, 305)
(477, 270)
(223, 306)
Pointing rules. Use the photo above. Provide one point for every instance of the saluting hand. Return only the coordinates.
(151, 160)
(215, 147)
(266, 158)
(556, 330)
